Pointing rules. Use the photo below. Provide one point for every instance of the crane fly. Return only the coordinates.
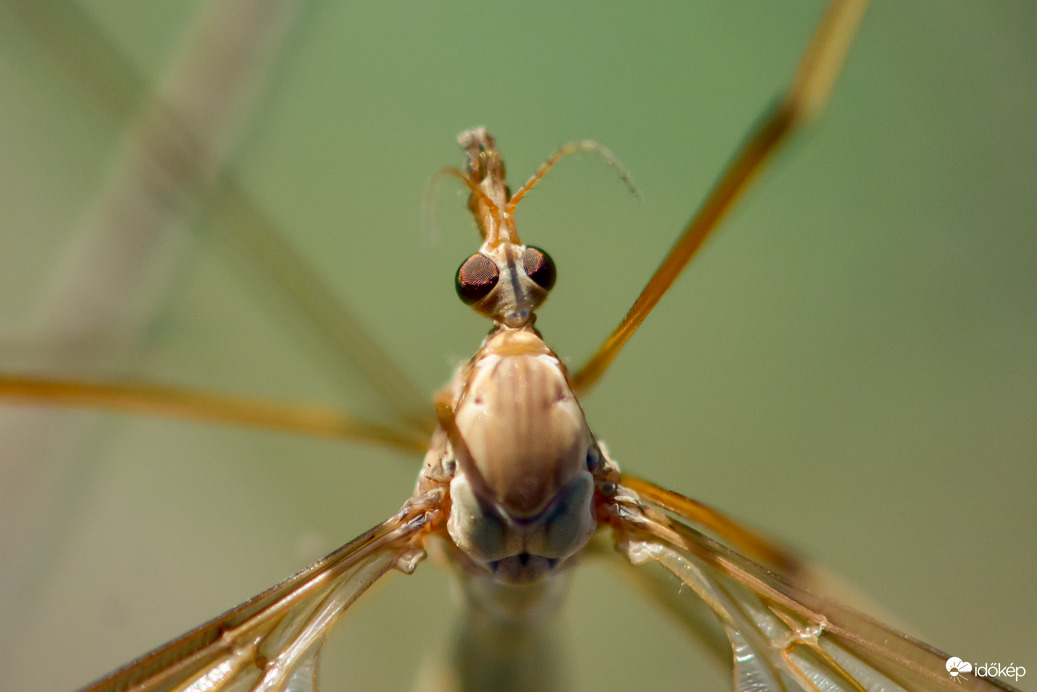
(802, 637)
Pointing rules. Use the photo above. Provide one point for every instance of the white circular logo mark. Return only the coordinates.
(955, 666)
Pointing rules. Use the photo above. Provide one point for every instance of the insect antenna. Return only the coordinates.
(434, 184)
(572, 148)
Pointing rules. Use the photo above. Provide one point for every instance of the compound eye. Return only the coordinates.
(476, 277)
(539, 266)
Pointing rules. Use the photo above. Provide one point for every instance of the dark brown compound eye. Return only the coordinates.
(540, 267)
(476, 277)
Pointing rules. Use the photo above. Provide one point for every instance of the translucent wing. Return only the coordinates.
(272, 641)
(782, 637)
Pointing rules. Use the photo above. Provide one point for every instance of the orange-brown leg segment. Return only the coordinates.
(152, 399)
(116, 90)
(804, 100)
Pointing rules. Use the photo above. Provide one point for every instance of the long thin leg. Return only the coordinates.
(804, 100)
(244, 221)
(182, 403)
(117, 90)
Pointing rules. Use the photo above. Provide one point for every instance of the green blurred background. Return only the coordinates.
(850, 366)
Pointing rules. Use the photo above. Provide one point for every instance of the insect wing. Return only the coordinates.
(781, 636)
(271, 642)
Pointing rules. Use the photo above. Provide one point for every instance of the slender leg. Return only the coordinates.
(805, 99)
